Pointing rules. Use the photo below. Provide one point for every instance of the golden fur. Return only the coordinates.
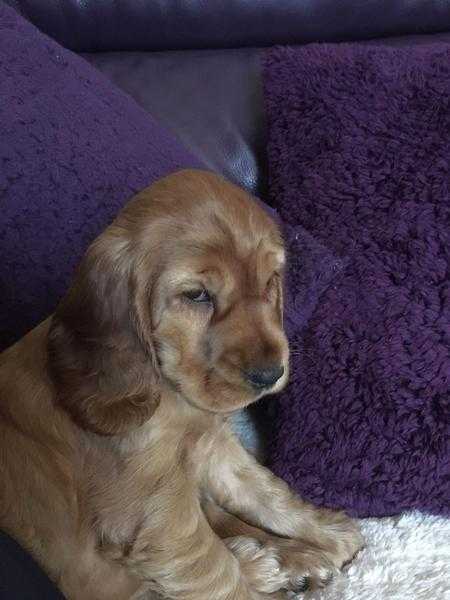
(118, 469)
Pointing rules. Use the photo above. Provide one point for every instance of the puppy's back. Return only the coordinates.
(37, 450)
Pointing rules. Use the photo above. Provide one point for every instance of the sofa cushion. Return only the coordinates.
(73, 149)
(359, 156)
(90, 25)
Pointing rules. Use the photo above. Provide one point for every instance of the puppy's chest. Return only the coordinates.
(181, 449)
(171, 463)
(198, 447)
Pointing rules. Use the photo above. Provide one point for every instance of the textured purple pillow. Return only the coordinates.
(359, 155)
(73, 149)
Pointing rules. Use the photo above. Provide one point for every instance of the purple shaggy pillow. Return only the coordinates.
(359, 154)
(73, 149)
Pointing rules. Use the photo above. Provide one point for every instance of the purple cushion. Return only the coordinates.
(73, 149)
(359, 157)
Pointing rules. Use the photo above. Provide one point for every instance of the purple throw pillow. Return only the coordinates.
(73, 150)
(359, 156)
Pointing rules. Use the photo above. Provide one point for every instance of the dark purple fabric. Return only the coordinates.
(20, 576)
(73, 149)
(93, 25)
(359, 156)
(311, 269)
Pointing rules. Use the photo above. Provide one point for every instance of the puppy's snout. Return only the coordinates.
(264, 377)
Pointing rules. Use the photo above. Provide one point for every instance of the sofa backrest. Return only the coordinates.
(91, 25)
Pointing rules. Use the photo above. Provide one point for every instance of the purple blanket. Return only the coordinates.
(359, 154)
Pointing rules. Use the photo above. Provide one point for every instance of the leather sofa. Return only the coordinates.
(196, 66)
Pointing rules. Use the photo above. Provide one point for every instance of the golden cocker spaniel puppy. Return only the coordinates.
(118, 470)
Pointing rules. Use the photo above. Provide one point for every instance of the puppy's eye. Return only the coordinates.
(199, 296)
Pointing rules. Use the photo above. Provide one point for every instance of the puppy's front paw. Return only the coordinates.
(280, 564)
(260, 564)
(339, 536)
(302, 564)
(312, 562)
(274, 596)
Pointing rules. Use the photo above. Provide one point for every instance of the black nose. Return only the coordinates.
(261, 378)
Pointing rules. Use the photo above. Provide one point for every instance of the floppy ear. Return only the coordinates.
(101, 356)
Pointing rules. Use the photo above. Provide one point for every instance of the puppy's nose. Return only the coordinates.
(262, 378)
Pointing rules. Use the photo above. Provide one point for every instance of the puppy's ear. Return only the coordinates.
(101, 355)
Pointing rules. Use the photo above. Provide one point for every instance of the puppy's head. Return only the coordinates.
(184, 290)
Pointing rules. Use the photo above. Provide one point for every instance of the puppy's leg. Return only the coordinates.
(226, 525)
(178, 554)
(259, 560)
(319, 541)
(280, 561)
(90, 577)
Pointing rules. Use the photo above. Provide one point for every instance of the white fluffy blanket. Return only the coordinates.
(406, 558)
